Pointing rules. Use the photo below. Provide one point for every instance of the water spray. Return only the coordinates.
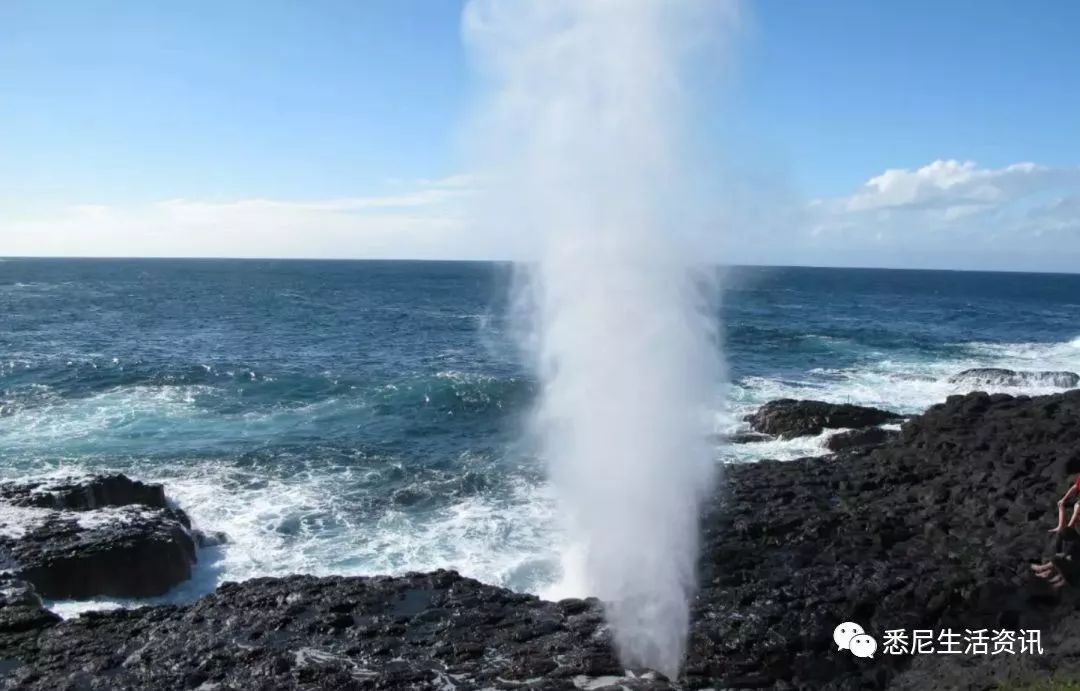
(580, 134)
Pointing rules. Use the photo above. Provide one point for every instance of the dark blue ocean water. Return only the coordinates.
(359, 417)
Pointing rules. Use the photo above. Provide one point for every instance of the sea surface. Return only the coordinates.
(370, 417)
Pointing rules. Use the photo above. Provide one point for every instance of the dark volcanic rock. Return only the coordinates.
(105, 535)
(422, 631)
(789, 418)
(22, 618)
(123, 552)
(84, 494)
(993, 376)
(860, 438)
(21, 608)
(934, 530)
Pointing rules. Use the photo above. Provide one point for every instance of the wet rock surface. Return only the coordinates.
(423, 631)
(84, 494)
(861, 438)
(21, 608)
(787, 418)
(934, 530)
(107, 535)
(746, 438)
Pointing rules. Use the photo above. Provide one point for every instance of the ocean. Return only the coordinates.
(363, 417)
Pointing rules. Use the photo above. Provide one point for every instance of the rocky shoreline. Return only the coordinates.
(107, 535)
(930, 527)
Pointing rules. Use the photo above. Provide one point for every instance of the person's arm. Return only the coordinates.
(1061, 510)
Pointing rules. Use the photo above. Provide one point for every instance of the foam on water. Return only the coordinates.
(16, 521)
(776, 449)
(171, 416)
(905, 385)
(306, 520)
(66, 421)
(304, 526)
(277, 526)
(361, 418)
(1043, 356)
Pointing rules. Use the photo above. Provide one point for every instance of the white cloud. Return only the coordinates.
(952, 214)
(947, 214)
(428, 221)
(947, 184)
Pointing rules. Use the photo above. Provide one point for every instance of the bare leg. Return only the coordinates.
(1061, 515)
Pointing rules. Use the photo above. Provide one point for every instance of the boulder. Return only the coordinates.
(860, 438)
(994, 376)
(106, 535)
(84, 494)
(22, 619)
(789, 418)
(21, 609)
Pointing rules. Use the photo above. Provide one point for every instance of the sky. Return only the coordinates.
(849, 133)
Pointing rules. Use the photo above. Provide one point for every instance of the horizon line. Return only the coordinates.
(5, 258)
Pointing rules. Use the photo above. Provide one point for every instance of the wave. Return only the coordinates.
(86, 376)
(308, 473)
(906, 383)
(1043, 356)
(129, 419)
(773, 449)
(452, 393)
(206, 409)
(325, 518)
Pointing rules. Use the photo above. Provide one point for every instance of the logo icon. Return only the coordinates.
(851, 636)
(843, 634)
(862, 645)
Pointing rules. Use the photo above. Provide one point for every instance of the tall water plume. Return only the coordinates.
(581, 134)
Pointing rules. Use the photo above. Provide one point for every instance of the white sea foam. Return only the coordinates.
(1043, 356)
(61, 421)
(126, 417)
(303, 525)
(68, 609)
(16, 521)
(305, 522)
(106, 516)
(776, 449)
(907, 386)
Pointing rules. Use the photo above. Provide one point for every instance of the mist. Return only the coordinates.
(579, 132)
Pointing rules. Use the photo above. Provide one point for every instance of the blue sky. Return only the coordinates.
(128, 124)
(844, 90)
